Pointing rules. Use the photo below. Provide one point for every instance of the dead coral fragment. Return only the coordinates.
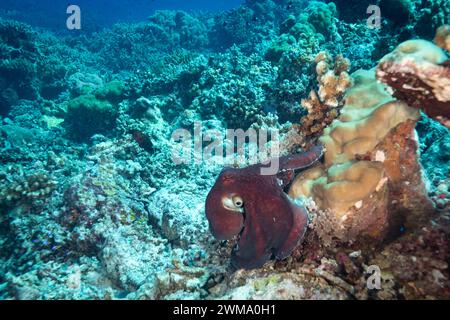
(419, 74)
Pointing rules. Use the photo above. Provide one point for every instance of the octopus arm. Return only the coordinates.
(301, 160)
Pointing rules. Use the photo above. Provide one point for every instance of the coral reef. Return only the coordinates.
(34, 186)
(321, 16)
(333, 79)
(430, 15)
(398, 11)
(92, 205)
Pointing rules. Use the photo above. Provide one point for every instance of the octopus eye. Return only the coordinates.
(233, 202)
(238, 202)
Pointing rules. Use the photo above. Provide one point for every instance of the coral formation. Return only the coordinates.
(430, 15)
(321, 16)
(363, 171)
(399, 11)
(33, 186)
(442, 38)
(323, 107)
(333, 79)
(312, 26)
(95, 113)
(416, 72)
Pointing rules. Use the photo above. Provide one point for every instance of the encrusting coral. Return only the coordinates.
(370, 157)
(418, 73)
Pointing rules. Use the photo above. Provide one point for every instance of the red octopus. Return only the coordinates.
(253, 206)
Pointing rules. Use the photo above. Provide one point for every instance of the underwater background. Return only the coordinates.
(92, 205)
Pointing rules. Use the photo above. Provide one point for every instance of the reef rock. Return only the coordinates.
(418, 72)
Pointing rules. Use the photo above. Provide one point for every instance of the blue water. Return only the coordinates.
(101, 13)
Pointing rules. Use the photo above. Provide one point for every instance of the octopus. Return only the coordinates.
(249, 204)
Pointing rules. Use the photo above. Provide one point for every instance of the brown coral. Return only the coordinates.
(418, 73)
(333, 79)
(442, 38)
(319, 115)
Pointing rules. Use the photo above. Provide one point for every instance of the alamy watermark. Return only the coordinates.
(73, 22)
(227, 147)
(374, 279)
(374, 20)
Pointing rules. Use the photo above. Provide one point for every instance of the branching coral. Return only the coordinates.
(319, 115)
(16, 38)
(333, 80)
(36, 185)
(33, 66)
(17, 68)
(234, 84)
(351, 10)
(399, 11)
(417, 73)
(130, 46)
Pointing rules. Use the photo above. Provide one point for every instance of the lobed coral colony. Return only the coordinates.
(93, 205)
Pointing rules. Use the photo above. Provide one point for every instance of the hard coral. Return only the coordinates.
(363, 170)
(430, 15)
(419, 74)
(442, 38)
(94, 113)
(333, 80)
(398, 11)
(321, 15)
(304, 31)
(351, 10)
(319, 115)
(37, 185)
